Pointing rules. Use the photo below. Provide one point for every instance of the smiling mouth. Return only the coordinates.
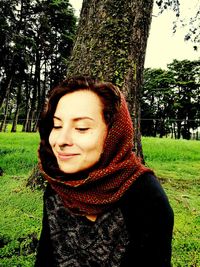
(62, 156)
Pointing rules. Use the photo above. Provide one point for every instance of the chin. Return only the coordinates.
(68, 171)
(77, 170)
(71, 170)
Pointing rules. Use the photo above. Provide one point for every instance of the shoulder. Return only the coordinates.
(146, 199)
(149, 221)
(146, 187)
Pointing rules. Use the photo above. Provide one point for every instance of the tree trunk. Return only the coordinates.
(34, 102)
(15, 120)
(39, 97)
(3, 123)
(25, 125)
(178, 129)
(111, 44)
(6, 87)
(155, 131)
(3, 93)
(7, 96)
(14, 125)
(28, 100)
(175, 133)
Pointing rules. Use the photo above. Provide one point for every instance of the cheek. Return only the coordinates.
(102, 139)
(97, 141)
(52, 139)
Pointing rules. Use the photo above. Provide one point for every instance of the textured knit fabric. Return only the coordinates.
(97, 190)
(76, 241)
(137, 232)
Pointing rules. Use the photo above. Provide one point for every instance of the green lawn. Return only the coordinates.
(176, 163)
(177, 159)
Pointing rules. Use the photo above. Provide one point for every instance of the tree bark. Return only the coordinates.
(37, 86)
(111, 44)
(34, 100)
(14, 125)
(27, 100)
(4, 121)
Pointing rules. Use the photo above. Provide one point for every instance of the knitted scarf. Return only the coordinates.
(98, 189)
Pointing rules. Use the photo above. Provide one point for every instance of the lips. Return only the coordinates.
(65, 156)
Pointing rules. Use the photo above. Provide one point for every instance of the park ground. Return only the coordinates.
(175, 162)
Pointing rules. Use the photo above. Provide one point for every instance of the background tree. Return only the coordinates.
(36, 42)
(170, 100)
(157, 101)
(187, 90)
(111, 43)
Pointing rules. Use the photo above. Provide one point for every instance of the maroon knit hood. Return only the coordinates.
(96, 190)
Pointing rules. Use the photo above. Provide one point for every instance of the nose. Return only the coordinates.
(64, 138)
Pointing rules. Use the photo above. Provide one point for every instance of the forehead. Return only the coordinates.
(79, 103)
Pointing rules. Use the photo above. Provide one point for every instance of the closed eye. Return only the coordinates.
(82, 129)
(57, 127)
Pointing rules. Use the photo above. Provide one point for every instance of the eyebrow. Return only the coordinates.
(76, 119)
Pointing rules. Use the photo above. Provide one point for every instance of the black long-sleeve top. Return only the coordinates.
(137, 232)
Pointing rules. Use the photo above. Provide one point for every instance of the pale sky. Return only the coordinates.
(164, 46)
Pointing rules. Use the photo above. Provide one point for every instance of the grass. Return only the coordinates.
(20, 208)
(18, 152)
(177, 159)
(176, 163)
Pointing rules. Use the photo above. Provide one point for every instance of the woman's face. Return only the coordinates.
(79, 132)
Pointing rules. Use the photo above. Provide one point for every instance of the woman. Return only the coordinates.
(102, 207)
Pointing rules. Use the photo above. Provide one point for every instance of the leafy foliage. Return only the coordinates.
(190, 24)
(170, 100)
(36, 39)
